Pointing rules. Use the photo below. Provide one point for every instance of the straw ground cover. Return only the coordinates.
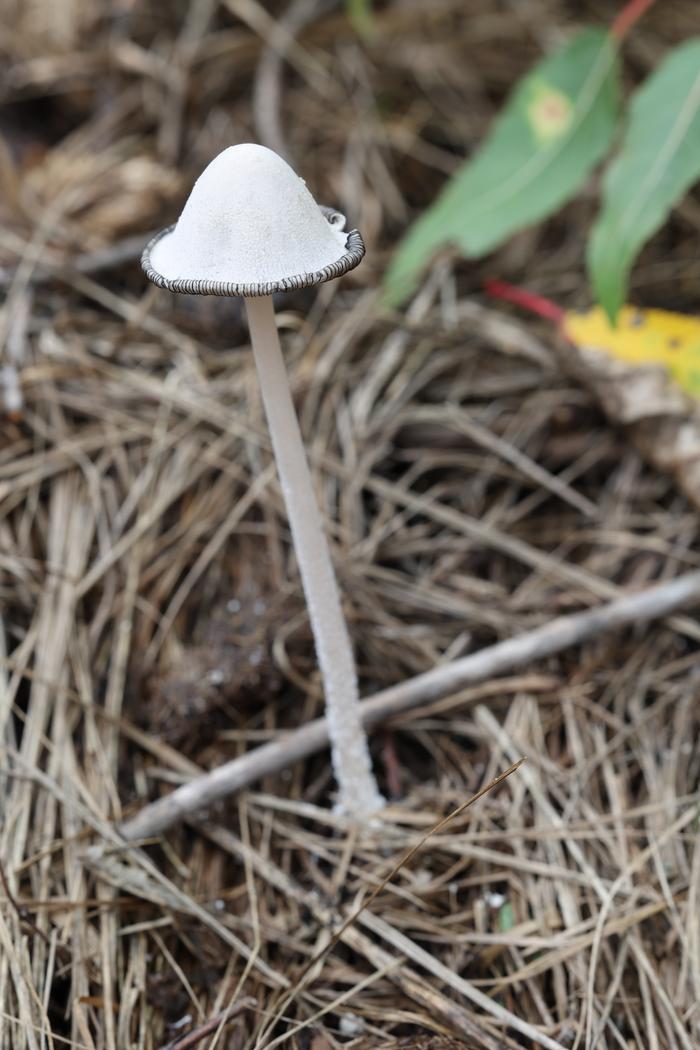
(152, 624)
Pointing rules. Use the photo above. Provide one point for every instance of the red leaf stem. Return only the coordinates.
(536, 304)
(627, 17)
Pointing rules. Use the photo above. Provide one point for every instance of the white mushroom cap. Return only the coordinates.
(250, 226)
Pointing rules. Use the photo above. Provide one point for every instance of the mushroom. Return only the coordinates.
(251, 228)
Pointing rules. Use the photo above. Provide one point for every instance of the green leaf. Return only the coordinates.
(362, 17)
(506, 917)
(658, 161)
(557, 124)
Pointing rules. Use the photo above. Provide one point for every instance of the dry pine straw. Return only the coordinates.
(151, 618)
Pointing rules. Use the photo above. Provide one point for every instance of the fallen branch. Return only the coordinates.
(565, 631)
(214, 1024)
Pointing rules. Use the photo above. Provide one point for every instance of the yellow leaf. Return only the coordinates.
(656, 337)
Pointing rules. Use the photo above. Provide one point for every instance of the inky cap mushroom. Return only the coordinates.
(251, 228)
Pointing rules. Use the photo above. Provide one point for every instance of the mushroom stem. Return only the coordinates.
(358, 793)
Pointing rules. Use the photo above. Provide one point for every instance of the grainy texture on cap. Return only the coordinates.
(250, 227)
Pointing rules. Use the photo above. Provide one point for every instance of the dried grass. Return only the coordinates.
(151, 621)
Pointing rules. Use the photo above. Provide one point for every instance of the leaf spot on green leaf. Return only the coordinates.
(549, 112)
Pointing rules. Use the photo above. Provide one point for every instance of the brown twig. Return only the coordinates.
(110, 257)
(24, 916)
(268, 85)
(189, 1039)
(20, 910)
(565, 631)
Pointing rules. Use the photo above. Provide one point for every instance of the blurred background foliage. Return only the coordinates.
(109, 110)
